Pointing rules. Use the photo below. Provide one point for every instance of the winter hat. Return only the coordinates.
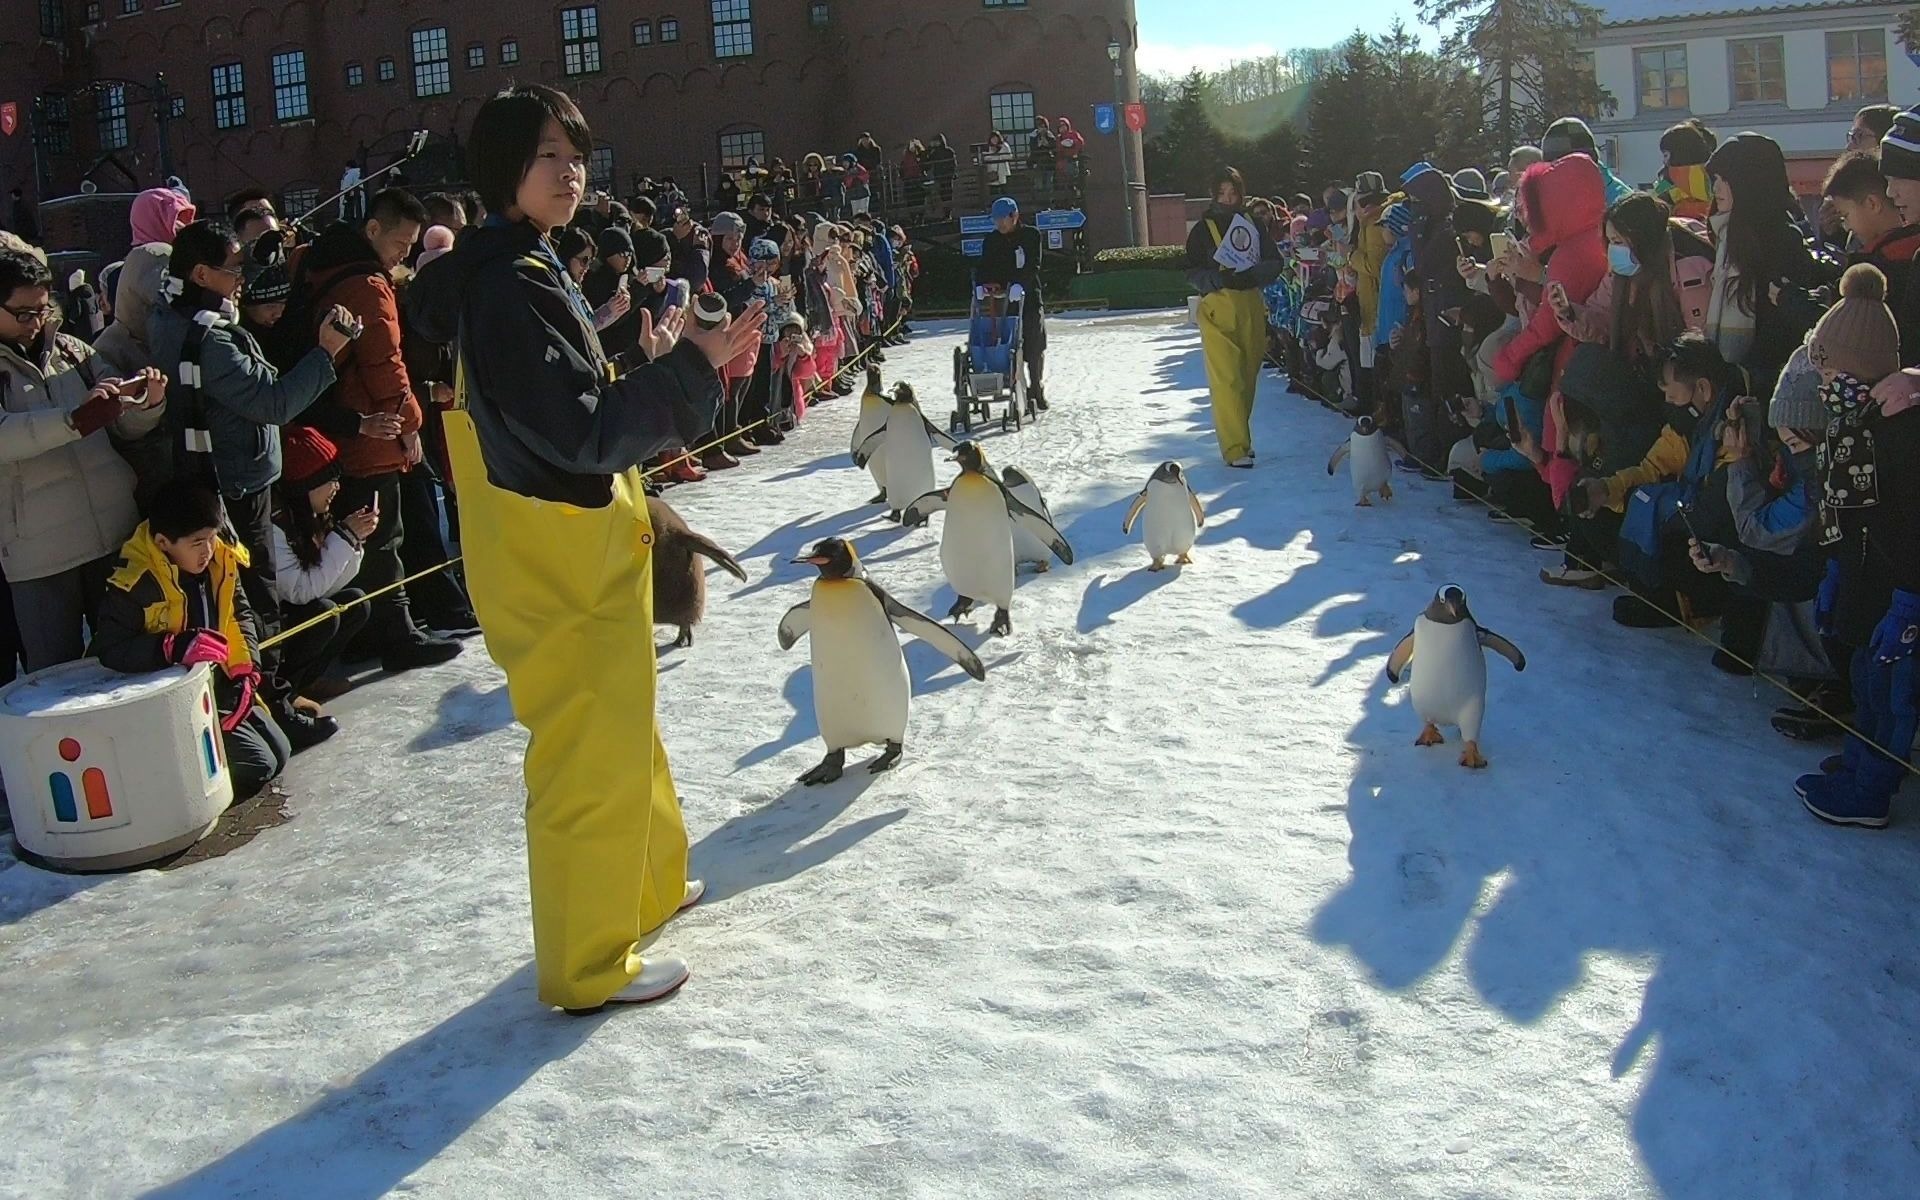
(1416, 171)
(157, 214)
(649, 246)
(273, 285)
(793, 321)
(437, 240)
(727, 223)
(307, 458)
(1568, 135)
(1796, 398)
(1004, 207)
(763, 250)
(1502, 183)
(614, 240)
(1522, 158)
(1900, 148)
(1858, 336)
(1470, 184)
(1370, 187)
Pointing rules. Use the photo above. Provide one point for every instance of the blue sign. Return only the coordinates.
(1105, 118)
(972, 246)
(978, 224)
(1060, 218)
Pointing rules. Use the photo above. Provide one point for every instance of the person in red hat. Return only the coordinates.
(315, 557)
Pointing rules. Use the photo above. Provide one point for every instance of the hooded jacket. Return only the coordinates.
(1436, 249)
(157, 214)
(342, 268)
(552, 422)
(147, 599)
(1565, 205)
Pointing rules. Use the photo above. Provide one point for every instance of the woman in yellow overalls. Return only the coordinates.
(1233, 314)
(559, 550)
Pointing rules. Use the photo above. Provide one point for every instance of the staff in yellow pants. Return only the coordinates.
(558, 547)
(1230, 258)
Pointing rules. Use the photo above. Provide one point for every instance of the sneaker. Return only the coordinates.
(419, 652)
(305, 731)
(1837, 800)
(1573, 577)
(717, 459)
(658, 979)
(1550, 541)
(1636, 613)
(741, 447)
(1803, 725)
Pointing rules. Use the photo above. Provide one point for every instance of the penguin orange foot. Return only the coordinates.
(831, 768)
(1471, 759)
(1002, 623)
(887, 759)
(1430, 736)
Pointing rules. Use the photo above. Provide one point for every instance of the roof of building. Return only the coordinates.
(1634, 12)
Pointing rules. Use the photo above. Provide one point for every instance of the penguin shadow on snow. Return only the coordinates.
(466, 714)
(782, 838)
(807, 470)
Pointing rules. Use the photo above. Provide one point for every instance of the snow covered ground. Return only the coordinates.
(1169, 906)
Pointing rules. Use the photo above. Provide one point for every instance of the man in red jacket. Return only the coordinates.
(350, 265)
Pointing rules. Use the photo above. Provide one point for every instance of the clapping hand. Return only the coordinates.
(729, 339)
(657, 339)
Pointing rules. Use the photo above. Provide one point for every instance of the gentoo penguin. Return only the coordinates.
(1174, 516)
(1450, 681)
(860, 688)
(679, 577)
(1371, 470)
(906, 442)
(873, 418)
(1028, 550)
(976, 547)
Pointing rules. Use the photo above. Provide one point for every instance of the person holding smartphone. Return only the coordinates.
(315, 557)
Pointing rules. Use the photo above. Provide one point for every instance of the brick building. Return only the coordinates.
(285, 94)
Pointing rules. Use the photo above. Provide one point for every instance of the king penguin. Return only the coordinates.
(906, 442)
(1368, 463)
(861, 692)
(1450, 681)
(1174, 516)
(1028, 550)
(976, 547)
(873, 419)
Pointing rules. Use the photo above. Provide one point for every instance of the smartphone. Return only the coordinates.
(1685, 513)
(1499, 241)
(677, 293)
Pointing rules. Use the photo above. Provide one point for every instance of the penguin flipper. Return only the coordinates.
(925, 507)
(1199, 510)
(1039, 525)
(1133, 513)
(939, 436)
(1398, 660)
(920, 625)
(706, 546)
(869, 447)
(1504, 648)
(796, 624)
(1339, 456)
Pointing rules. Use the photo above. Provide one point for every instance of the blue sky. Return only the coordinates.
(1173, 40)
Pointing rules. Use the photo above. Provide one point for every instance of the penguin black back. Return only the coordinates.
(679, 577)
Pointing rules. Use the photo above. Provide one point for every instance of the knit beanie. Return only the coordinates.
(614, 240)
(273, 285)
(1470, 184)
(436, 241)
(1568, 135)
(1858, 336)
(727, 223)
(307, 458)
(649, 247)
(1416, 171)
(1796, 398)
(1900, 148)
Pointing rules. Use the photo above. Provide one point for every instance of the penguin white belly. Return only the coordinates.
(1026, 547)
(909, 458)
(1449, 675)
(861, 692)
(1169, 525)
(1367, 460)
(976, 547)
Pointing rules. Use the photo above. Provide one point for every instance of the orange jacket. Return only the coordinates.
(373, 377)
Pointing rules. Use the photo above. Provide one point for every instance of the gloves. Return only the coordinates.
(247, 679)
(1825, 602)
(100, 410)
(1894, 638)
(193, 646)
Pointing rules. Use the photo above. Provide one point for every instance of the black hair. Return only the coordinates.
(506, 136)
(1646, 305)
(397, 206)
(18, 269)
(643, 206)
(1856, 175)
(248, 216)
(1226, 174)
(201, 244)
(183, 507)
(1760, 227)
(571, 242)
(245, 198)
(1877, 118)
(476, 208)
(306, 529)
(1694, 356)
(440, 206)
(1688, 144)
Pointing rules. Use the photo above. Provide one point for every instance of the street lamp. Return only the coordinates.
(1120, 131)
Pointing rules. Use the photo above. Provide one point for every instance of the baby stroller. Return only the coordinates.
(987, 370)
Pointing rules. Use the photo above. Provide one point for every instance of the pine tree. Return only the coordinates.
(1183, 156)
(1344, 115)
(1529, 62)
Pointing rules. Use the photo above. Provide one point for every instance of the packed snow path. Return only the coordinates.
(1169, 906)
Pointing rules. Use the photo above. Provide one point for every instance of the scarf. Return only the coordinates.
(1730, 326)
(1847, 468)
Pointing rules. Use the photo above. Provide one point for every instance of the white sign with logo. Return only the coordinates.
(1239, 248)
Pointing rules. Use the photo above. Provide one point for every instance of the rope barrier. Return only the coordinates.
(1600, 569)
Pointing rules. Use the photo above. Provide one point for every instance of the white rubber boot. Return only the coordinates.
(696, 888)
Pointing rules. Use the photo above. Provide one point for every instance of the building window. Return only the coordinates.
(91, 15)
(113, 117)
(737, 148)
(290, 100)
(669, 29)
(1012, 114)
(600, 169)
(817, 14)
(229, 96)
(580, 39)
(129, 7)
(476, 56)
(1759, 71)
(54, 123)
(1662, 72)
(356, 75)
(732, 28)
(53, 18)
(509, 52)
(299, 201)
(383, 70)
(432, 71)
(643, 33)
(1856, 66)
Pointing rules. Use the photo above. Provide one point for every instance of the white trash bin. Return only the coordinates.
(106, 771)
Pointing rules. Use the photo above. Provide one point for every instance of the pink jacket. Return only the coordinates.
(157, 214)
(1565, 203)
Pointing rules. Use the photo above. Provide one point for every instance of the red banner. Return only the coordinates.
(1136, 117)
(9, 117)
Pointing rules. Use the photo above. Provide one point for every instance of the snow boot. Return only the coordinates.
(1846, 799)
(658, 979)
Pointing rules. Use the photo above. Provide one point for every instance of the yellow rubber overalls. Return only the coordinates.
(1233, 340)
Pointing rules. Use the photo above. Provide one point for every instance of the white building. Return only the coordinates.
(1794, 71)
